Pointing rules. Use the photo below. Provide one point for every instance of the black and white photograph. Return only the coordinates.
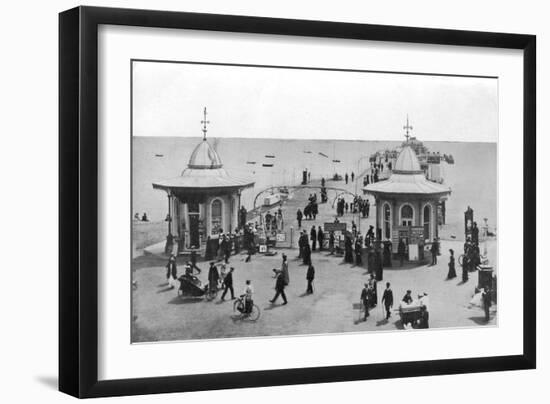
(272, 201)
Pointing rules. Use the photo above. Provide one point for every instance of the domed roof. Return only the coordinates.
(407, 178)
(204, 157)
(407, 162)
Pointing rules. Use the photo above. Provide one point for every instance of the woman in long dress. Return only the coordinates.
(452, 271)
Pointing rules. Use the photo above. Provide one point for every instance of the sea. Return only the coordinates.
(472, 177)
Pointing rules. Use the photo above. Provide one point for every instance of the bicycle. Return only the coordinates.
(239, 305)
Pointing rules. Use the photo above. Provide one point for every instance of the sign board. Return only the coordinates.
(416, 235)
(281, 237)
(411, 234)
(399, 232)
(337, 234)
(413, 252)
(263, 248)
(335, 227)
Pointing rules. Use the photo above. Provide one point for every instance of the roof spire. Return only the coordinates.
(204, 122)
(407, 127)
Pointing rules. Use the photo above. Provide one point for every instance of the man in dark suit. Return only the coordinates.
(279, 289)
(433, 251)
(310, 275)
(387, 299)
(228, 284)
(313, 235)
(299, 216)
(365, 295)
(320, 237)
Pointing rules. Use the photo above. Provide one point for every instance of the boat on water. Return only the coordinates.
(250, 162)
(269, 156)
(159, 155)
(267, 165)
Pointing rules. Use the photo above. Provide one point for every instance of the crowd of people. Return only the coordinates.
(369, 250)
(357, 205)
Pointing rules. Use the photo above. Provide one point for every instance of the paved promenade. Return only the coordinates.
(161, 315)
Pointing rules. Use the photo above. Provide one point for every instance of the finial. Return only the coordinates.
(407, 127)
(204, 122)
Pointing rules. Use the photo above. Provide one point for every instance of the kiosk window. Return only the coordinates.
(407, 215)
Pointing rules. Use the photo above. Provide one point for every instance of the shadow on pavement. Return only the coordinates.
(166, 289)
(187, 300)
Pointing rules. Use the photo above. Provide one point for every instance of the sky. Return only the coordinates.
(169, 98)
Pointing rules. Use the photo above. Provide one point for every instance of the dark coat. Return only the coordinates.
(213, 275)
(320, 236)
(228, 280)
(280, 283)
(310, 273)
(387, 297)
(365, 296)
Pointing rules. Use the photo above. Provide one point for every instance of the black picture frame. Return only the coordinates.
(78, 200)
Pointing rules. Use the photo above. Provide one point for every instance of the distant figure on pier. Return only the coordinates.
(433, 251)
(307, 252)
(320, 237)
(452, 271)
(213, 277)
(347, 207)
(310, 276)
(136, 216)
(242, 217)
(346, 177)
(144, 217)
(369, 236)
(352, 176)
(299, 216)
(387, 254)
(401, 251)
(313, 236)
(309, 176)
(367, 208)
(331, 240)
(340, 207)
(348, 256)
(358, 250)
(323, 181)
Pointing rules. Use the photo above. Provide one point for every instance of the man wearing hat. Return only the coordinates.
(387, 299)
(433, 251)
(228, 284)
(365, 296)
